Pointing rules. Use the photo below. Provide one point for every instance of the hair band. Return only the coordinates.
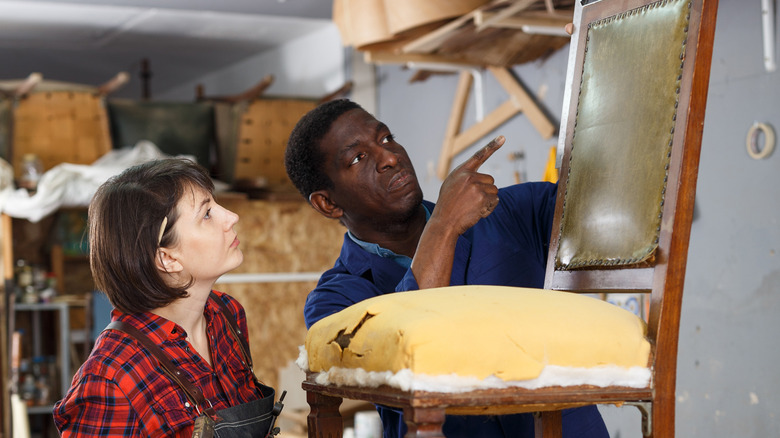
(162, 230)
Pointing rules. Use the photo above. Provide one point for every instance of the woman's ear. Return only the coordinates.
(166, 261)
(321, 202)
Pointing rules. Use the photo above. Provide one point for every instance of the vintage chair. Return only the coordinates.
(631, 135)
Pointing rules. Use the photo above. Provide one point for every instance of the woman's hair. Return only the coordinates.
(126, 228)
(303, 157)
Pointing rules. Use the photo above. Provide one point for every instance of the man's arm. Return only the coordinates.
(465, 197)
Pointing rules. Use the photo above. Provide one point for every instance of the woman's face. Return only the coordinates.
(207, 246)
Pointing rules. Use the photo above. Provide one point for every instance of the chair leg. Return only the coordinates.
(662, 418)
(424, 422)
(548, 424)
(324, 420)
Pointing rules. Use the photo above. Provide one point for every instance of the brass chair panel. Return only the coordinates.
(628, 96)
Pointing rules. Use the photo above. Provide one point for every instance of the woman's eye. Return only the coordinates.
(208, 214)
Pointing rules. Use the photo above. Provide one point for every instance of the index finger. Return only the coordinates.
(483, 154)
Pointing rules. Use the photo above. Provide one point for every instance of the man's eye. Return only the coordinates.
(357, 158)
(388, 138)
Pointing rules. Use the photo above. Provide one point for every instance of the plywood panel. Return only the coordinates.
(263, 133)
(279, 237)
(60, 127)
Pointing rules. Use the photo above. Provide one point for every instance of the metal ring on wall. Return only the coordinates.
(752, 141)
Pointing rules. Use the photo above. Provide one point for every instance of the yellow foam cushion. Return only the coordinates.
(478, 331)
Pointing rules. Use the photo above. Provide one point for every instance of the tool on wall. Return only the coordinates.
(518, 159)
(550, 171)
(757, 131)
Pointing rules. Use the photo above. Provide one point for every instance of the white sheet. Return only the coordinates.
(70, 185)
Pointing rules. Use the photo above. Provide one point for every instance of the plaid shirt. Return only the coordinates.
(121, 391)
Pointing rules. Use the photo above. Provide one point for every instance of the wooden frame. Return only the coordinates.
(663, 279)
(457, 140)
(661, 274)
(6, 238)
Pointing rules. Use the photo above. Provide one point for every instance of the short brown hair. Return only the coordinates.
(125, 219)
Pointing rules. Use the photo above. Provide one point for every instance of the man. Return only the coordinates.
(349, 167)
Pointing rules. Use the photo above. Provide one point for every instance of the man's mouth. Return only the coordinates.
(399, 180)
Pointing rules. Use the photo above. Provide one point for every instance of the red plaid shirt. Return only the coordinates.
(121, 391)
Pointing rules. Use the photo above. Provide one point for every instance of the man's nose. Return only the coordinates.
(386, 159)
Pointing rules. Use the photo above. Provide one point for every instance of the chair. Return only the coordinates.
(631, 136)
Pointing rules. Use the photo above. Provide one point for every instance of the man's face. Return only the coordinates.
(374, 180)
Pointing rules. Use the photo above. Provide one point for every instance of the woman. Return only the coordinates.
(158, 243)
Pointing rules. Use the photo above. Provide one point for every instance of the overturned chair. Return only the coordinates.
(631, 135)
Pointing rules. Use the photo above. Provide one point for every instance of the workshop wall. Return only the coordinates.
(309, 66)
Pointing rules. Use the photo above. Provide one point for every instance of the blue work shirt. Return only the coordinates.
(507, 248)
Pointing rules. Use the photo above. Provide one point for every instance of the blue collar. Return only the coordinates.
(373, 248)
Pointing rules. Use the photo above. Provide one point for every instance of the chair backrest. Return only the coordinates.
(60, 124)
(631, 135)
(174, 127)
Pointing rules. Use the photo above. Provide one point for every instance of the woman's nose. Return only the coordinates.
(231, 218)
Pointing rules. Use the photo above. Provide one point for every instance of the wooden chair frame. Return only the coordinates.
(661, 274)
(457, 139)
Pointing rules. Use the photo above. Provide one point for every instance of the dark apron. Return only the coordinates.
(248, 420)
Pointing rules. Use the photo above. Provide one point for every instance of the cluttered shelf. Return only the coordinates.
(41, 365)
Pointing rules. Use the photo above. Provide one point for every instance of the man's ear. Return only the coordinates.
(166, 261)
(321, 202)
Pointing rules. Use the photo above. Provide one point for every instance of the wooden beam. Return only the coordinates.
(534, 113)
(545, 20)
(6, 234)
(456, 140)
(518, 6)
(496, 118)
(28, 84)
(113, 84)
(432, 40)
(455, 122)
(382, 57)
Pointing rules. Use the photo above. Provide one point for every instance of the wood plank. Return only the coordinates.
(487, 19)
(515, 8)
(455, 122)
(6, 234)
(383, 57)
(430, 41)
(537, 117)
(480, 129)
(518, 101)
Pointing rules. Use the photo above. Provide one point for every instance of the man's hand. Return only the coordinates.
(466, 196)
